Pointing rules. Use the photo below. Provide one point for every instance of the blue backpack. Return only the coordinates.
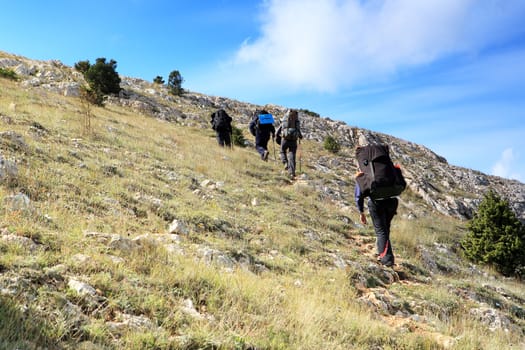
(263, 121)
(265, 118)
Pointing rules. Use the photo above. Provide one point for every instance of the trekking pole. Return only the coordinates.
(300, 155)
(273, 141)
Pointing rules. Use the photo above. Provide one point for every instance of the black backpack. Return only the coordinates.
(290, 126)
(378, 178)
(220, 120)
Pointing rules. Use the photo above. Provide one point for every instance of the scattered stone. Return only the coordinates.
(80, 258)
(178, 227)
(494, 319)
(18, 202)
(14, 141)
(125, 322)
(81, 287)
(24, 242)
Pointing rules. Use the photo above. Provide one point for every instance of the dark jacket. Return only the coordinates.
(227, 127)
(261, 132)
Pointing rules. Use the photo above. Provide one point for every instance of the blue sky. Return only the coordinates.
(446, 74)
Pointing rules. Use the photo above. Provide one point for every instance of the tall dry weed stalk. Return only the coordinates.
(86, 101)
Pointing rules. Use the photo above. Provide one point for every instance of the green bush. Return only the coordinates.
(496, 237)
(310, 113)
(8, 74)
(158, 80)
(87, 94)
(331, 144)
(237, 137)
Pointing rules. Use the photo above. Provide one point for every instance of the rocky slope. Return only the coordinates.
(446, 188)
(414, 298)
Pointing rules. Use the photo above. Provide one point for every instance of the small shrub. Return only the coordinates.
(88, 97)
(238, 137)
(496, 237)
(158, 80)
(331, 144)
(310, 113)
(8, 74)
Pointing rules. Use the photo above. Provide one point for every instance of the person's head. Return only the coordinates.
(258, 112)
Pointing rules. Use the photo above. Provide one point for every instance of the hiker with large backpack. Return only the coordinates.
(287, 136)
(381, 181)
(261, 126)
(221, 122)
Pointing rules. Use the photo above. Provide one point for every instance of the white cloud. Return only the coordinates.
(506, 165)
(327, 44)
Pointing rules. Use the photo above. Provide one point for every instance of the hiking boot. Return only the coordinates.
(381, 262)
(388, 263)
(286, 166)
(265, 155)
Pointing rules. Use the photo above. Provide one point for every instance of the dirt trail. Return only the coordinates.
(380, 298)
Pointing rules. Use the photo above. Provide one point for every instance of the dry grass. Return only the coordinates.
(132, 175)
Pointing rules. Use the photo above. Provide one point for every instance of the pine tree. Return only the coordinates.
(496, 237)
(175, 81)
(101, 77)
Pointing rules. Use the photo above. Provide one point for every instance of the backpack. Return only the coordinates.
(221, 120)
(263, 120)
(289, 126)
(379, 177)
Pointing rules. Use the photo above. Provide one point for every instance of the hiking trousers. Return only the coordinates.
(261, 142)
(382, 212)
(223, 138)
(288, 152)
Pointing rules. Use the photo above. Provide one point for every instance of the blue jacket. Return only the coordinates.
(359, 198)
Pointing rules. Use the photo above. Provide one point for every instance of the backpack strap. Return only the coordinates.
(371, 163)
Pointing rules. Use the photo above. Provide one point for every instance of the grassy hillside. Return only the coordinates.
(87, 260)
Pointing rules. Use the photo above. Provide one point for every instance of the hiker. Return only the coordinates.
(221, 122)
(381, 181)
(261, 126)
(286, 136)
(382, 212)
